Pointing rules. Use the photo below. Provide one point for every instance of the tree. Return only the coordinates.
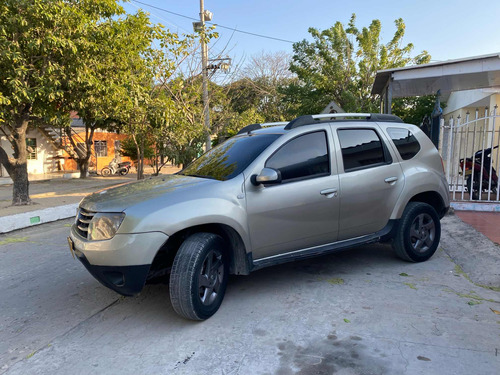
(260, 84)
(39, 40)
(110, 59)
(151, 107)
(412, 110)
(128, 148)
(184, 132)
(340, 64)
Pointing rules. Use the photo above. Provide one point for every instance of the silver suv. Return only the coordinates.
(273, 193)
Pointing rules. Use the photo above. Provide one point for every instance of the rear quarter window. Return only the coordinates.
(405, 142)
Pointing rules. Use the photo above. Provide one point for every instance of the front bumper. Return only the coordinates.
(122, 249)
(121, 263)
(126, 280)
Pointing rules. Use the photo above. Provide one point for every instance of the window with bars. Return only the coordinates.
(31, 148)
(101, 148)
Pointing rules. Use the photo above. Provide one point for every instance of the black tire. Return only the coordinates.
(473, 191)
(105, 172)
(124, 171)
(197, 285)
(418, 233)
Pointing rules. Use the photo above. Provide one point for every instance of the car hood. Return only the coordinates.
(121, 197)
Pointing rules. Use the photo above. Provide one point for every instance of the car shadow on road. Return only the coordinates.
(154, 304)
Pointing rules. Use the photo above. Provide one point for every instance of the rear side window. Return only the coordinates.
(361, 148)
(303, 157)
(405, 142)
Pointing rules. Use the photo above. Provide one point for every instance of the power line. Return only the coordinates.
(162, 19)
(215, 24)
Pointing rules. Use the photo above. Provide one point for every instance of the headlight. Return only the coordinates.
(104, 225)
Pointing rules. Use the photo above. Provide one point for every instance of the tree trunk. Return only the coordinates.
(140, 160)
(17, 166)
(83, 155)
(83, 166)
(20, 193)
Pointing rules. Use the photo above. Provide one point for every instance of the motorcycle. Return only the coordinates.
(116, 168)
(481, 173)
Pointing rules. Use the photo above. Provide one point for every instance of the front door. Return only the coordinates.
(302, 210)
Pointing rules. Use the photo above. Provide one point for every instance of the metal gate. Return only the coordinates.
(471, 153)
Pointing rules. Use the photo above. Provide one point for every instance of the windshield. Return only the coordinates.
(230, 158)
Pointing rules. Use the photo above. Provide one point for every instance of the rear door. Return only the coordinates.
(371, 180)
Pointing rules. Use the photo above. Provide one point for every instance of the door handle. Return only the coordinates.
(390, 180)
(329, 192)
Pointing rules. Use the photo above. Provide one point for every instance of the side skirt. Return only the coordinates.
(383, 235)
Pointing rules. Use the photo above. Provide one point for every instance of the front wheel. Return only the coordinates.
(106, 172)
(199, 276)
(418, 233)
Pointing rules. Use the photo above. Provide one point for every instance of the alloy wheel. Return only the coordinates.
(422, 232)
(210, 277)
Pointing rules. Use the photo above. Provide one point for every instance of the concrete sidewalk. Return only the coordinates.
(55, 198)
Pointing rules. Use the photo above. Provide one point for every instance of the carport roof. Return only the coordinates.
(452, 75)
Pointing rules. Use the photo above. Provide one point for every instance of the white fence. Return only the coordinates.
(471, 153)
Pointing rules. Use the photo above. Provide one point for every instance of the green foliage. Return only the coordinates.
(413, 109)
(146, 109)
(128, 148)
(340, 64)
(43, 43)
(260, 87)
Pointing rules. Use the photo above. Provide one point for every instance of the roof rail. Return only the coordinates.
(249, 128)
(252, 127)
(312, 119)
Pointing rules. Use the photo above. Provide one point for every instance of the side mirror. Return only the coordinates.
(266, 176)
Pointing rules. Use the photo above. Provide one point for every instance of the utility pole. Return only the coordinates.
(204, 74)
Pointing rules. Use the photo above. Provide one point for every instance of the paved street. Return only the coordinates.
(358, 312)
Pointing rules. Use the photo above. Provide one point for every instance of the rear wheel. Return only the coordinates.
(199, 276)
(473, 190)
(124, 171)
(418, 234)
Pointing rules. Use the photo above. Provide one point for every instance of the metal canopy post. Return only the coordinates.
(387, 99)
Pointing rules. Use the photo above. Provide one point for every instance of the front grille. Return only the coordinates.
(83, 221)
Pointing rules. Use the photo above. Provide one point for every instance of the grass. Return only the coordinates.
(412, 286)
(459, 271)
(336, 281)
(13, 240)
(474, 298)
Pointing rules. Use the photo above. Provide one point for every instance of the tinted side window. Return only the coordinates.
(303, 157)
(405, 142)
(361, 148)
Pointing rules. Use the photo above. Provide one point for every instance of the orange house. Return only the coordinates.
(105, 147)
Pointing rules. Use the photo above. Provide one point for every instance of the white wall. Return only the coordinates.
(45, 151)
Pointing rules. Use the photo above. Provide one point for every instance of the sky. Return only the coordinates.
(447, 29)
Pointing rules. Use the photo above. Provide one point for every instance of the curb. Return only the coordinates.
(473, 206)
(32, 218)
